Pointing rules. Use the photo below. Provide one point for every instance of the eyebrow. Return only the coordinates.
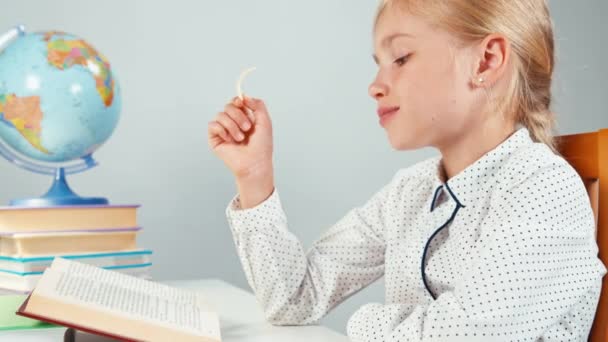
(386, 41)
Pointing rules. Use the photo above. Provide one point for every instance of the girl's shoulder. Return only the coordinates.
(534, 164)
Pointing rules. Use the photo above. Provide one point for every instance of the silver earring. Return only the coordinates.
(480, 80)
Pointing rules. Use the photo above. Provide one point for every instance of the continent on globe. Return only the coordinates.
(24, 114)
(65, 53)
(59, 100)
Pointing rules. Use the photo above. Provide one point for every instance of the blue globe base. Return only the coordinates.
(59, 194)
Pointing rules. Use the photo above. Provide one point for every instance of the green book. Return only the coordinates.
(9, 304)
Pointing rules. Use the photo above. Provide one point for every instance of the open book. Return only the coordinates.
(120, 306)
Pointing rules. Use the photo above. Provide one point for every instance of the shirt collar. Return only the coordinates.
(464, 185)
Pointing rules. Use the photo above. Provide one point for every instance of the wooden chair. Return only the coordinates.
(588, 154)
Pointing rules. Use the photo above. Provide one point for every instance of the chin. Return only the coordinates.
(407, 140)
(404, 144)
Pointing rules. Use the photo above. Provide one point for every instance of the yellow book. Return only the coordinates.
(34, 219)
(29, 244)
(115, 305)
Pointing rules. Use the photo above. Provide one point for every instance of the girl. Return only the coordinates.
(491, 240)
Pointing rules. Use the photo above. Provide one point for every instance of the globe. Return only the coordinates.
(59, 102)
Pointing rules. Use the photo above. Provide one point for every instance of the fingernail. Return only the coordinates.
(246, 125)
(240, 136)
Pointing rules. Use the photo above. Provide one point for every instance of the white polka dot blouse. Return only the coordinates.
(503, 251)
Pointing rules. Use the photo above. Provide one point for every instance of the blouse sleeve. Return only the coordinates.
(295, 286)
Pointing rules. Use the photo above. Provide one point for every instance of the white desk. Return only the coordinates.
(241, 319)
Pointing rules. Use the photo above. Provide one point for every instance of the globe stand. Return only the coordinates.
(59, 194)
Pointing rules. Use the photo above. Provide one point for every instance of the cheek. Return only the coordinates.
(433, 105)
(426, 94)
(439, 93)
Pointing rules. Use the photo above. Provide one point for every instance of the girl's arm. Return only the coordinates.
(298, 287)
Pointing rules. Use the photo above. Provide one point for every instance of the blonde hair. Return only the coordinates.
(528, 27)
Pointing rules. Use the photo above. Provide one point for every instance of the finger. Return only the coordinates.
(217, 130)
(231, 126)
(240, 104)
(257, 106)
(239, 116)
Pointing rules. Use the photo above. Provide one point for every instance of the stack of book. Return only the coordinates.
(99, 235)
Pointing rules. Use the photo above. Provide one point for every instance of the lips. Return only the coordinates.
(386, 113)
(382, 111)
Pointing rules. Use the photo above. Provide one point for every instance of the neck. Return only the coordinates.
(460, 153)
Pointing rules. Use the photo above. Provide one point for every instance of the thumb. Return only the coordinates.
(258, 107)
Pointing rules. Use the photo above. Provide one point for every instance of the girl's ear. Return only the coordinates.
(493, 55)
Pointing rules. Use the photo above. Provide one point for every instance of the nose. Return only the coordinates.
(377, 90)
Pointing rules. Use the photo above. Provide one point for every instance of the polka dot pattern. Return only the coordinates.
(503, 251)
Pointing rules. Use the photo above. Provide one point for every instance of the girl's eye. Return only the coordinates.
(400, 61)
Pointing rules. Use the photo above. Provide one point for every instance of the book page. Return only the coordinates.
(130, 296)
